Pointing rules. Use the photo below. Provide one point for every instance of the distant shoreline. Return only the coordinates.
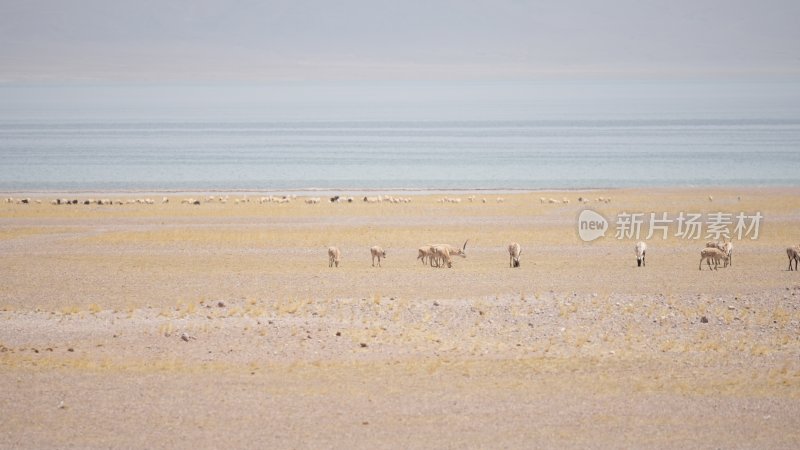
(357, 191)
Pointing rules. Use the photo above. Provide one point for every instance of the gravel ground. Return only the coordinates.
(171, 326)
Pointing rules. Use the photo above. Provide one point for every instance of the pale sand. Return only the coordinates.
(577, 348)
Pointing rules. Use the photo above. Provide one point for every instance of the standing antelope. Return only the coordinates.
(377, 252)
(334, 255)
(727, 247)
(441, 254)
(641, 249)
(514, 252)
(794, 255)
(424, 253)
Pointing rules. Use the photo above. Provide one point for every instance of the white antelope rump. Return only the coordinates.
(794, 255)
(377, 252)
(708, 254)
(641, 250)
(514, 252)
(334, 255)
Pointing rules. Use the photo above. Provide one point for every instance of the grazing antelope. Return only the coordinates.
(725, 247)
(334, 255)
(441, 254)
(514, 252)
(377, 252)
(641, 249)
(794, 255)
(710, 254)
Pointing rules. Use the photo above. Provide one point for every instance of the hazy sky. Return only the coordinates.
(253, 40)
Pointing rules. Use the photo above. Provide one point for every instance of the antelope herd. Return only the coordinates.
(433, 255)
(440, 255)
(282, 199)
(436, 255)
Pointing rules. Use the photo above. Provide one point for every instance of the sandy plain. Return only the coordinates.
(221, 325)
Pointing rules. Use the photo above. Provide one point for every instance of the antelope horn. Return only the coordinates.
(465, 245)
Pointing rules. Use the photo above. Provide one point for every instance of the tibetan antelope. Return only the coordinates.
(514, 252)
(334, 255)
(377, 252)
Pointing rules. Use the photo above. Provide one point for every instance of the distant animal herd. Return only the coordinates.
(439, 255)
(434, 255)
(224, 199)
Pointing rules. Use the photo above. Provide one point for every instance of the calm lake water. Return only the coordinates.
(391, 136)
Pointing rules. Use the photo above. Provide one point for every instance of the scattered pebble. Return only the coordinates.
(221, 304)
(704, 319)
(363, 345)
